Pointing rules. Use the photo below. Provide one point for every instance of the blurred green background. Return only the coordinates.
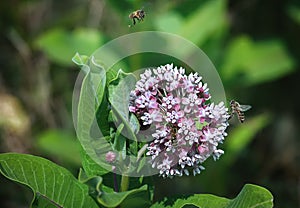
(255, 46)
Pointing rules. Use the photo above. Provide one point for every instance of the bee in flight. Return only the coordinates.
(137, 15)
(239, 110)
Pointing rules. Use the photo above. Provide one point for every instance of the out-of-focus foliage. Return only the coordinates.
(60, 45)
(235, 145)
(252, 63)
(61, 145)
(207, 21)
(294, 12)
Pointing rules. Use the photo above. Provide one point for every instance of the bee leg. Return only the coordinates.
(134, 21)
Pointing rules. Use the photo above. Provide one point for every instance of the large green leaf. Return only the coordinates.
(46, 179)
(205, 200)
(250, 196)
(250, 62)
(90, 99)
(60, 45)
(97, 74)
(42, 202)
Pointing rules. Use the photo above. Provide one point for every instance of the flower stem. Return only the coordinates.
(116, 188)
(124, 183)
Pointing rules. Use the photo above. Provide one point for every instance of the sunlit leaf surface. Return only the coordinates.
(250, 196)
(46, 180)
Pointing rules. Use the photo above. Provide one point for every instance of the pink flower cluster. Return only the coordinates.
(187, 127)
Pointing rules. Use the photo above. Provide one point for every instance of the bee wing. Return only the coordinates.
(245, 107)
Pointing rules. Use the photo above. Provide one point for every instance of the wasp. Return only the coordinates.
(239, 110)
(137, 15)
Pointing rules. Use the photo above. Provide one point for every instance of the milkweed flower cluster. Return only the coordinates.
(187, 128)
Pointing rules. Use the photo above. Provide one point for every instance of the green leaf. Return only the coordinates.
(102, 115)
(97, 74)
(54, 143)
(86, 109)
(107, 197)
(119, 92)
(80, 60)
(112, 75)
(294, 13)
(169, 22)
(91, 168)
(94, 183)
(114, 199)
(208, 20)
(142, 163)
(41, 202)
(120, 142)
(60, 45)
(137, 200)
(46, 179)
(134, 123)
(88, 132)
(98, 79)
(250, 196)
(204, 200)
(250, 62)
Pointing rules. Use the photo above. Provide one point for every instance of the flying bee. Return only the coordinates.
(239, 110)
(137, 15)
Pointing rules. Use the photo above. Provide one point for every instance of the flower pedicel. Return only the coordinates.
(187, 128)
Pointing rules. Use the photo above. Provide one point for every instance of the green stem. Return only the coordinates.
(124, 183)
